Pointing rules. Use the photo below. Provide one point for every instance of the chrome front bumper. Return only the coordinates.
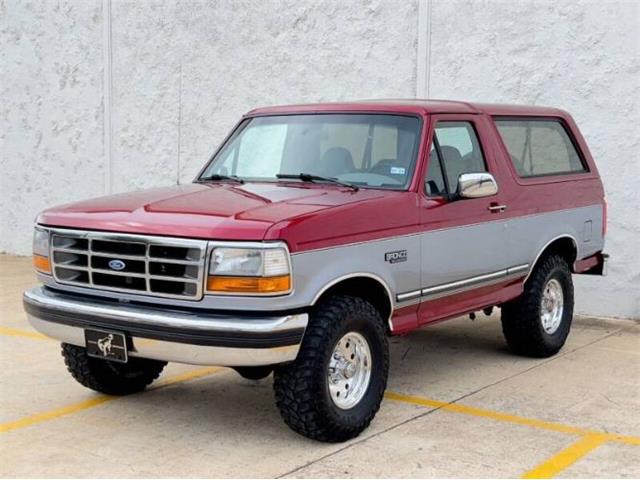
(173, 335)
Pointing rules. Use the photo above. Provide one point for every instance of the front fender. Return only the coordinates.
(317, 270)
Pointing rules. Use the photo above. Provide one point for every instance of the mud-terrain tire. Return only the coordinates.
(108, 377)
(345, 336)
(254, 373)
(533, 324)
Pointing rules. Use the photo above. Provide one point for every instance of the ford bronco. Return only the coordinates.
(314, 233)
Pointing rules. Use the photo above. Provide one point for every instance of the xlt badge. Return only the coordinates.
(396, 257)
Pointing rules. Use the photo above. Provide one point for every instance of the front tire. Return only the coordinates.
(109, 377)
(334, 388)
(537, 323)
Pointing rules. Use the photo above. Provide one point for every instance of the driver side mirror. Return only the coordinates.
(476, 185)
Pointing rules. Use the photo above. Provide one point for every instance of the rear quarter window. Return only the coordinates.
(539, 147)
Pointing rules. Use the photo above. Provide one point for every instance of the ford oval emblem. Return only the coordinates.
(117, 265)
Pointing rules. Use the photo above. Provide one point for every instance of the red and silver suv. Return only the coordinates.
(314, 233)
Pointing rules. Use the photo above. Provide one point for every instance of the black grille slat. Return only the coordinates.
(174, 288)
(70, 259)
(125, 248)
(174, 253)
(119, 281)
(173, 270)
(71, 275)
(72, 243)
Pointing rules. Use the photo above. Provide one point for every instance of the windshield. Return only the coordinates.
(367, 150)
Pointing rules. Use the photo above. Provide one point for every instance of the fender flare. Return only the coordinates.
(372, 276)
(546, 245)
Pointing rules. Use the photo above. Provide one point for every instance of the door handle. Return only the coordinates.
(494, 208)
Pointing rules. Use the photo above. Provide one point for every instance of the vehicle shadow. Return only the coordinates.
(438, 361)
(482, 336)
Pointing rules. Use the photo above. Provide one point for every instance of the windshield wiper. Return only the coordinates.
(308, 177)
(216, 177)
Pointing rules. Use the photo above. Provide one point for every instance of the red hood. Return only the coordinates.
(212, 211)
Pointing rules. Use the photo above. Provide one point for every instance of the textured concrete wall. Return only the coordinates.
(580, 56)
(51, 111)
(183, 72)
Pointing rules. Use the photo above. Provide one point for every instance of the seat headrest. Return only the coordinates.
(336, 161)
(451, 155)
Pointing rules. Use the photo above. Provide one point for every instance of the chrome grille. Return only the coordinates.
(158, 266)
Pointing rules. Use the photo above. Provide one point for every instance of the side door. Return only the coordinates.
(463, 240)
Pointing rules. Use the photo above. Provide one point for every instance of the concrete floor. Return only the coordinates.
(458, 405)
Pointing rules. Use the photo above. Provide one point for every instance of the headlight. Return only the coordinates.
(249, 271)
(41, 250)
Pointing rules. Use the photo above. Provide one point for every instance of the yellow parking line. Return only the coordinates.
(15, 332)
(631, 440)
(98, 400)
(567, 456)
(505, 417)
(56, 413)
(426, 402)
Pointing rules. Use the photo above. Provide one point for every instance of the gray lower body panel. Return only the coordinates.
(433, 263)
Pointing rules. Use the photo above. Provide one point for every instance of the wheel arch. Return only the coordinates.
(368, 286)
(565, 245)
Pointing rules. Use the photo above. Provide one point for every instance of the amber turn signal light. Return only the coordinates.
(280, 284)
(41, 264)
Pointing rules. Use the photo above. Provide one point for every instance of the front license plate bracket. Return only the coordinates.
(107, 345)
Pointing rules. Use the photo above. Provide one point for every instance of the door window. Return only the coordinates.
(455, 150)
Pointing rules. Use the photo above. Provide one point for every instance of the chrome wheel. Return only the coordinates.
(349, 370)
(551, 306)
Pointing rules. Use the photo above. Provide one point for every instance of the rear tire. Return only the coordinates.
(537, 323)
(333, 389)
(109, 377)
